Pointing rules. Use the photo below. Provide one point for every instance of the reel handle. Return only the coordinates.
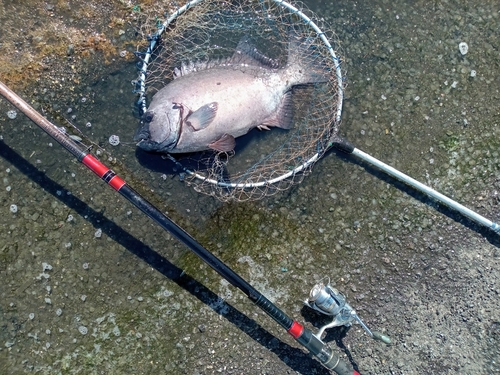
(380, 337)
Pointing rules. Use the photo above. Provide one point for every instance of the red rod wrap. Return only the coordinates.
(95, 165)
(296, 330)
(116, 183)
(101, 170)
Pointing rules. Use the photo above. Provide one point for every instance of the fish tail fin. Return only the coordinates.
(305, 63)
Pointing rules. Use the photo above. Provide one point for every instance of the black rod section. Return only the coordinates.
(303, 335)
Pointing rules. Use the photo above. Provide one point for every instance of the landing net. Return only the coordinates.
(264, 162)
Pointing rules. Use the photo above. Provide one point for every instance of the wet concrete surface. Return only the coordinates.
(78, 300)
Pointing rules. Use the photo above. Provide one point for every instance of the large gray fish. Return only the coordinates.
(207, 105)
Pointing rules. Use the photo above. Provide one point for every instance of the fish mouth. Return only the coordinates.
(143, 138)
(149, 145)
(142, 132)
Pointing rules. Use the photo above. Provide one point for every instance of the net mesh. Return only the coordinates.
(264, 162)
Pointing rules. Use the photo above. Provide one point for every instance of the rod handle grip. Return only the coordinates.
(324, 353)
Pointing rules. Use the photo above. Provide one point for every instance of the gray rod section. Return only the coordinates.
(427, 190)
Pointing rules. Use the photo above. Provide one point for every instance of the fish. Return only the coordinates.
(210, 103)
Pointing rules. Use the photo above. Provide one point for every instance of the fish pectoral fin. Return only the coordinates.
(225, 143)
(202, 117)
(263, 127)
(283, 116)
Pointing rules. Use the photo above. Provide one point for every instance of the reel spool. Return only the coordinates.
(208, 30)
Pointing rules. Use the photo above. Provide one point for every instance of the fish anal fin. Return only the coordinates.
(225, 143)
(283, 116)
(202, 117)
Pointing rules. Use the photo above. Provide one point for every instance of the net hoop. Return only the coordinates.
(146, 58)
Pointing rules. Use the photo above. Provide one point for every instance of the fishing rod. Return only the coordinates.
(312, 342)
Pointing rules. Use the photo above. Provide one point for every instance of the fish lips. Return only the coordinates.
(142, 131)
(143, 138)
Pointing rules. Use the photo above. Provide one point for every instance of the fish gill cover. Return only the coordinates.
(205, 33)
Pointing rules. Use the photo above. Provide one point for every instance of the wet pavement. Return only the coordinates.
(89, 285)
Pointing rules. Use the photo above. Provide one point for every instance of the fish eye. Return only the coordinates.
(148, 116)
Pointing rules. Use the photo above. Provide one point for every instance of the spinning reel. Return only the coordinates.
(329, 301)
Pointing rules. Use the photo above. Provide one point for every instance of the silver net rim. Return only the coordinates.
(147, 57)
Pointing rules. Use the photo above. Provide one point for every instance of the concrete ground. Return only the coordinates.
(91, 286)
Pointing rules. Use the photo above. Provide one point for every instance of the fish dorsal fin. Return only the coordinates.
(225, 143)
(247, 53)
(283, 117)
(202, 117)
(188, 67)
